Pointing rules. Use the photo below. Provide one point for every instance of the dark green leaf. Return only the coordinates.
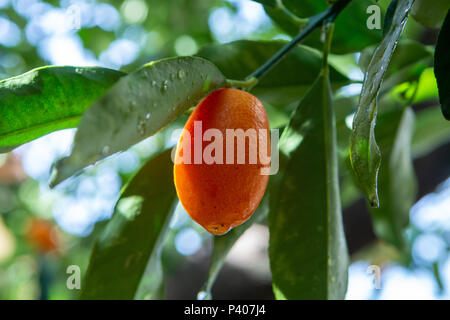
(442, 66)
(133, 237)
(307, 250)
(136, 107)
(430, 14)
(397, 183)
(353, 18)
(285, 83)
(364, 151)
(389, 16)
(47, 99)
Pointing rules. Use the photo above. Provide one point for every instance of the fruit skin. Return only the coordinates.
(222, 196)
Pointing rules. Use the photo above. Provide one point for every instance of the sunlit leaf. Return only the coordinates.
(365, 153)
(397, 183)
(133, 237)
(442, 66)
(47, 99)
(136, 107)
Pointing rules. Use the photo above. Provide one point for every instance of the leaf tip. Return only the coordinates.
(374, 201)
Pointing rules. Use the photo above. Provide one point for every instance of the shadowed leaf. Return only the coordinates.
(133, 237)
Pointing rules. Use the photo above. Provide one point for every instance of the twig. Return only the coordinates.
(314, 22)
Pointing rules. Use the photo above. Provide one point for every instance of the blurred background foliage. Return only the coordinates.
(43, 231)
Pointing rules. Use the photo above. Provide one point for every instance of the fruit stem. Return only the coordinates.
(329, 15)
(248, 83)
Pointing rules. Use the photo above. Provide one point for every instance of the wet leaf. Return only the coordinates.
(364, 151)
(47, 99)
(136, 107)
(442, 66)
(132, 239)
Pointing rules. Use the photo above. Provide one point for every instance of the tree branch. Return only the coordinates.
(314, 22)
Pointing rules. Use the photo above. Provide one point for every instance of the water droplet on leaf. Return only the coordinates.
(105, 150)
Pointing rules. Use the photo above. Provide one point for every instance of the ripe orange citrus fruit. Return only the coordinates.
(42, 235)
(219, 190)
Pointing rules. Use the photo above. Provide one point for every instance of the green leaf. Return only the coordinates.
(430, 14)
(431, 131)
(133, 237)
(397, 181)
(47, 99)
(442, 66)
(307, 250)
(389, 16)
(136, 107)
(364, 152)
(351, 19)
(286, 82)
(408, 62)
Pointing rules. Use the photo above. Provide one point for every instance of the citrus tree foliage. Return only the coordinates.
(325, 165)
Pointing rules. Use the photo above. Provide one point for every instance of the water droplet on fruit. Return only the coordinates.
(147, 116)
(181, 74)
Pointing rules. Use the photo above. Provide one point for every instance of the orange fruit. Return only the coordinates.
(42, 235)
(221, 191)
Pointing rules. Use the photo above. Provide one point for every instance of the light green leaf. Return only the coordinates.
(133, 237)
(397, 181)
(364, 151)
(47, 99)
(286, 82)
(136, 107)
